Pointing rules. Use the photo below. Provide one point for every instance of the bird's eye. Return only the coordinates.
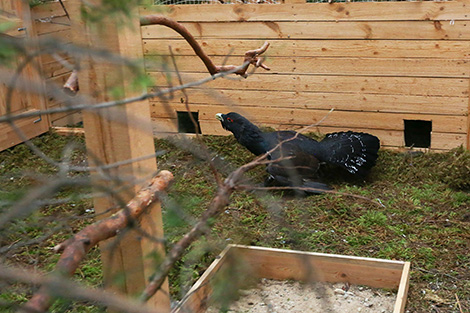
(229, 119)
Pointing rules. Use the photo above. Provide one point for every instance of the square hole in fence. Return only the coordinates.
(186, 124)
(418, 133)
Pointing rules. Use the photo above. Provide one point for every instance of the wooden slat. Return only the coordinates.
(48, 9)
(332, 66)
(164, 127)
(55, 25)
(356, 11)
(9, 137)
(117, 134)
(417, 86)
(306, 266)
(403, 289)
(459, 30)
(352, 119)
(319, 48)
(300, 266)
(55, 68)
(327, 101)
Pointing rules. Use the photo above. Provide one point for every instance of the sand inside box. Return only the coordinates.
(272, 296)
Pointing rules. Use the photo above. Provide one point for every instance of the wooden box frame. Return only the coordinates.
(281, 264)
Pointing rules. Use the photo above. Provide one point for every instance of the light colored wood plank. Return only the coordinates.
(418, 86)
(164, 127)
(61, 130)
(309, 266)
(327, 101)
(9, 137)
(48, 9)
(331, 66)
(318, 48)
(297, 265)
(55, 25)
(429, 30)
(305, 117)
(402, 293)
(116, 134)
(388, 11)
(56, 68)
(66, 120)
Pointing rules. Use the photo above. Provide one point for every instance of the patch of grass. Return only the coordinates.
(418, 211)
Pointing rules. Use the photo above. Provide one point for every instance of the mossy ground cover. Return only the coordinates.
(413, 207)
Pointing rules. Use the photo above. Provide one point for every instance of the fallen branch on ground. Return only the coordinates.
(76, 248)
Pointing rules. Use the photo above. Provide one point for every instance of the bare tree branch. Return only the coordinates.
(251, 56)
(65, 288)
(75, 249)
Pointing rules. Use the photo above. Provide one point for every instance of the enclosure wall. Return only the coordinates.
(376, 64)
(52, 22)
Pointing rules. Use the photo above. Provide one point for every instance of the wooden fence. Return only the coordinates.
(51, 21)
(376, 64)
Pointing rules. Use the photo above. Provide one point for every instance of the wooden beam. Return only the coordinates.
(116, 134)
(278, 264)
(301, 116)
(437, 49)
(409, 67)
(396, 30)
(353, 11)
(377, 85)
(340, 101)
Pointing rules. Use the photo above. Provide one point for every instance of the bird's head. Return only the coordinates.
(232, 121)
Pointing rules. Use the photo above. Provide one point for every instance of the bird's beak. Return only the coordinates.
(220, 117)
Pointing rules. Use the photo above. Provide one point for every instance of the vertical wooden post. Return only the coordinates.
(116, 134)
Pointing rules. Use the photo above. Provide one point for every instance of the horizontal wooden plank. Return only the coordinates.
(65, 118)
(65, 36)
(49, 9)
(327, 101)
(305, 117)
(318, 48)
(418, 86)
(430, 30)
(309, 266)
(331, 66)
(51, 26)
(357, 11)
(388, 138)
(9, 137)
(55, 68)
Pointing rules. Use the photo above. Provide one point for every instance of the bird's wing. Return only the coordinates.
(355, 152)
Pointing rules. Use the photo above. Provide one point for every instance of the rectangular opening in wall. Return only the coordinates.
(186, 124)
(418, 133)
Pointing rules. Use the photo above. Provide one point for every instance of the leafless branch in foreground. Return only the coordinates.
(75, 249)
(251, 56)
(67, 289)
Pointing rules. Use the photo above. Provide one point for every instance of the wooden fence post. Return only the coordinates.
(115, 134)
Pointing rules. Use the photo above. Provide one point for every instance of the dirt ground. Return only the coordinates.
(273, 296)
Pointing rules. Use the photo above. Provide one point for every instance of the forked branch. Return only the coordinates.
(251, 56)
(76, 248)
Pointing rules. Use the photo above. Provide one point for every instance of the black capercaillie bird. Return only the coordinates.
(297, 159)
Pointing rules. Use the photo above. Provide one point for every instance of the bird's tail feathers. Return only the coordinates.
(355, 152)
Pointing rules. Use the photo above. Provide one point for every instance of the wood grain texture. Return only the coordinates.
(294, 117)
(300, 266)
(415, 86)
(389, 139)
(409, 67)
(438, 49)
(396, 30)
(353, 11)
(339, 101)
(116, 134)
